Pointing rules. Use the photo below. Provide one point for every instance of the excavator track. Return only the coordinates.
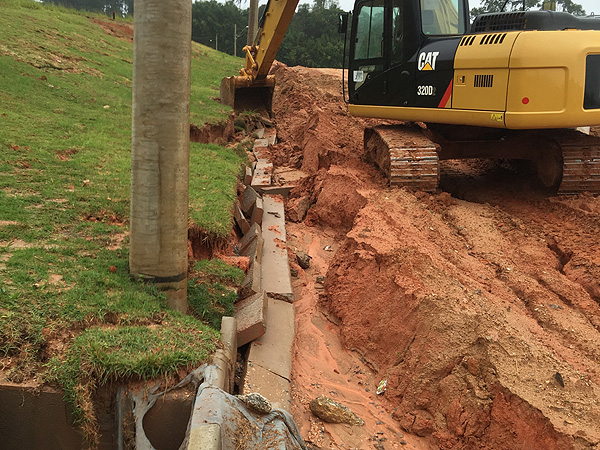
(581, 162)
(404, 155)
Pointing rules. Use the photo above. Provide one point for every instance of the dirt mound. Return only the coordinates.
(480, 308)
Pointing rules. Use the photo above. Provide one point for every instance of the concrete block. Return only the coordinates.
(255, 249)
(260, 132)
(205, 437)
(262, 174)
(252, 283)
(273, 351)
(249, 197)
(248, 176)
(270, 134)
(257, 212)
(240, 219)
(261, 143)
(276, 280)
(250, 317)
(253, 232)
(275, 388)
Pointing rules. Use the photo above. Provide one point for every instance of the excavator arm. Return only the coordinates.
(253, 88)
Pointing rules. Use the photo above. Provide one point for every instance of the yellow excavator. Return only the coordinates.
(510, 85)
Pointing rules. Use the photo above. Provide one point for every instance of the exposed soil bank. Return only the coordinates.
(479, 305)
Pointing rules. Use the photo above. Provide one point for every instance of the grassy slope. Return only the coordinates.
(65, 131)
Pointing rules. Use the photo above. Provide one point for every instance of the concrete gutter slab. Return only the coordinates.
(249, 198)
(273, 351)
(276, 280)
(275, 388)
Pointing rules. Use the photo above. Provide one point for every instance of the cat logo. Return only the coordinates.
(427, 60)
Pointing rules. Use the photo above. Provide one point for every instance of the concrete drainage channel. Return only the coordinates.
(223, 421)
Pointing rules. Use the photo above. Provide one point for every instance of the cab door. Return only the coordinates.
(367, 53)
(383, 49)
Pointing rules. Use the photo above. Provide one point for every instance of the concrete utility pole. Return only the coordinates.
(252, 21)
(161, 146)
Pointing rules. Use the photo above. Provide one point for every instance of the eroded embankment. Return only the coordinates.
(482, 315)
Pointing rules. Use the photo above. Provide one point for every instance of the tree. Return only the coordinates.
(312, 39)
(517, 5)
(160, 146)
(212, 20)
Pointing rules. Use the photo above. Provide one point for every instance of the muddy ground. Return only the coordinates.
(479, 304)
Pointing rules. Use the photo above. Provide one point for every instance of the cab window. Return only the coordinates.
(369, 30)
(439, 17)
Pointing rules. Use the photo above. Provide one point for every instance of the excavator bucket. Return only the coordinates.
(243, 94)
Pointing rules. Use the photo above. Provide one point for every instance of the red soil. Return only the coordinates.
(476, 303)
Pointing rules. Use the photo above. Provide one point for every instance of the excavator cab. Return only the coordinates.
(402, 51)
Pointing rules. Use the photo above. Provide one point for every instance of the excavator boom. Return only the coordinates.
(253, 88)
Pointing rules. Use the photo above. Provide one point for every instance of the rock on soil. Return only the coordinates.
(331, 411)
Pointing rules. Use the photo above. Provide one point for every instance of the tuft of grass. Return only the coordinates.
(101, 354)
(212, 290)
(219, 271)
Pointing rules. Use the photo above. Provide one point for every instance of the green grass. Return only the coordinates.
(209, 293)
(65, 145)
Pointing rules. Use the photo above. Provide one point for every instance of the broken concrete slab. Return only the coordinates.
(259, 133)
(276, 280)
(262, 175)
(261, 143)
(248, 176)
(249, 197)
(240, 219)
(273, 351)
(284, 191)
(254, 249)
(273, 387)
(270, 134)
(257, 212)
(253, 232)
(252, 283)
(250, 315)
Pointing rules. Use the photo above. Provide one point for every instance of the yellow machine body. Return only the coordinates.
(514, 80)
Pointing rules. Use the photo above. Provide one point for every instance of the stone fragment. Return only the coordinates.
(256, 402)
(297, 208)
(333, 412)
(303, 260)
